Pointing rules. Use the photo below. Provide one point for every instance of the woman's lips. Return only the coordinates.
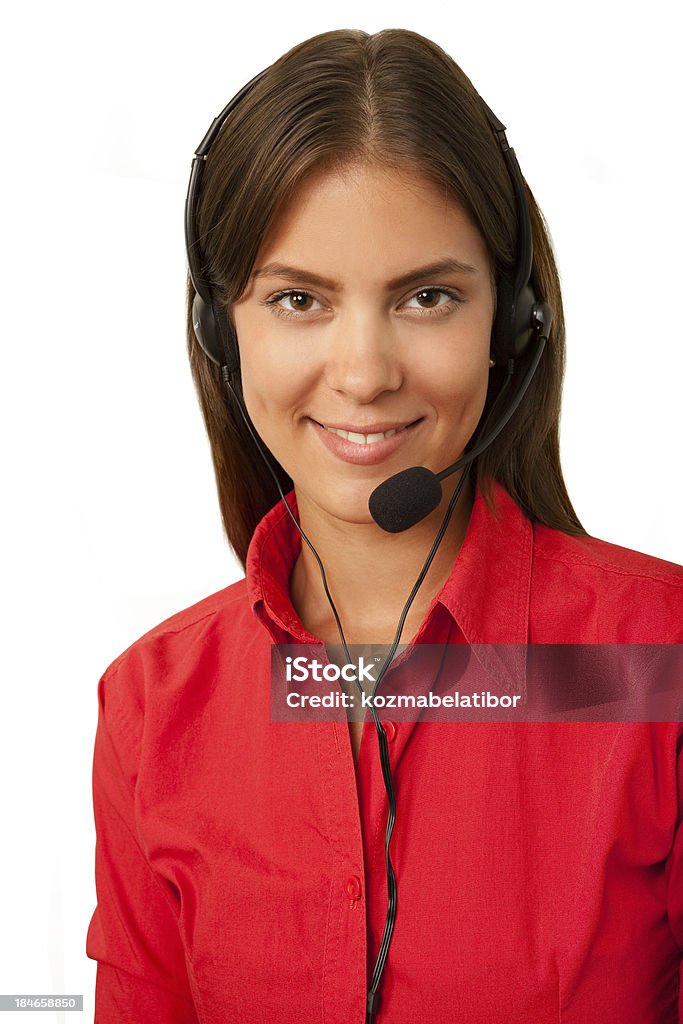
(363, 454)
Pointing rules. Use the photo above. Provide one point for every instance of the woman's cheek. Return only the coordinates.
(454, 383)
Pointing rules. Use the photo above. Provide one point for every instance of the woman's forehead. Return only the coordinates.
(372, 213)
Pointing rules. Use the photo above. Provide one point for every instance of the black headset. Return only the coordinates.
(518, 313)
(522, 323)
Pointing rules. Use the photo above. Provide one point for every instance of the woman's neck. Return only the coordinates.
(370, 573)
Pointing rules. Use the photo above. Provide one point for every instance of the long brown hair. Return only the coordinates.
(398, 99)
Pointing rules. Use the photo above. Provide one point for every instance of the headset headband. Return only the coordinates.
(516, 314)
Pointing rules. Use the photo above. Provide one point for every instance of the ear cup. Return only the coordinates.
(214, 333)
(206, 329)
(524, 321)
(513, 326)
(501, 335)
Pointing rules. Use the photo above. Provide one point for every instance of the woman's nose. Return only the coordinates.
(363, 359)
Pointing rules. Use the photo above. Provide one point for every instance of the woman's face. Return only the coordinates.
(347, 324)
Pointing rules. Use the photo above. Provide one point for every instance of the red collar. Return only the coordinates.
(487, 592)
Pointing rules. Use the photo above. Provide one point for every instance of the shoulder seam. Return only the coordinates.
(160, 630)
(665, 576)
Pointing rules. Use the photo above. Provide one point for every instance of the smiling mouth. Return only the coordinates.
(367, 439)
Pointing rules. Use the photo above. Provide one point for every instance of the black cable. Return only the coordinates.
(372, 1002)
(373, 998)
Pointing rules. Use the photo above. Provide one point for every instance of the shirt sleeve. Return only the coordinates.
(133, 934)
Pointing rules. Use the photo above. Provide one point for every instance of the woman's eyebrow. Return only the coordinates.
(444, 266)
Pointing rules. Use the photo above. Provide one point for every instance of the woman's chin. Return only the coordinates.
(347, 503)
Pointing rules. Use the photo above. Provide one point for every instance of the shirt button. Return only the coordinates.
(353, 887)
(390, 730)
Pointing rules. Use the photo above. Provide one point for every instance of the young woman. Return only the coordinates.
(357, 246)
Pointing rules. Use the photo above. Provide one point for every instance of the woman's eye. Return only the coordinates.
(429, 300)
(299, 302)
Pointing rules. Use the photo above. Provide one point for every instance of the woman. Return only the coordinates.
(357, 248)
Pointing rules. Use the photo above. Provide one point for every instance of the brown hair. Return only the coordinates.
(396, 98)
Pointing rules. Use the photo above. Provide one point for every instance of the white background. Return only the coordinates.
(110, 516)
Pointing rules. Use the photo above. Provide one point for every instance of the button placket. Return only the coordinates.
(354, 890)
(390, 730)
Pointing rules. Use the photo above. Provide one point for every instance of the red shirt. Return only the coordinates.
(240, 861)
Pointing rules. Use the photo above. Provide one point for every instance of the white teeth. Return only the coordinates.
(350, 435)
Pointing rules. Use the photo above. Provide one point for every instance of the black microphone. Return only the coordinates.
(407, 497)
